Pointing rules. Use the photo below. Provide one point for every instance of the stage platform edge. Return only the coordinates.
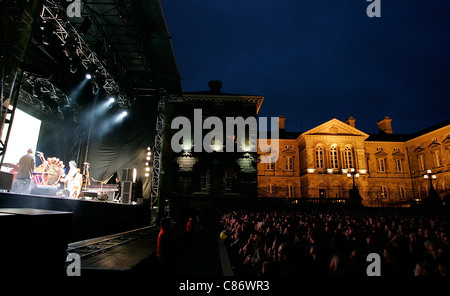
(90, 218)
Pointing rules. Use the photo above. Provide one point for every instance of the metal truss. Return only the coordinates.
(66, 32)
(156, 169)
(45, 87)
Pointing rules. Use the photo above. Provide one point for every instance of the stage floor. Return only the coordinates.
(91, 218)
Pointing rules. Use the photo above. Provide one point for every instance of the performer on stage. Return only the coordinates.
(70, 177)
(23, 178)
(77, 184)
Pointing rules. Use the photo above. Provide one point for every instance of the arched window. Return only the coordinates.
(334, 158)
(348, 158)
(384, 192)
(290, 190)
(402, 193)
(319, 157)
(444, 186)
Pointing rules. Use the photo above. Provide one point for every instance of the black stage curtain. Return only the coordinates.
(111, 146)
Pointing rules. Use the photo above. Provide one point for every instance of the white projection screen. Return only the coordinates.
(24, 135)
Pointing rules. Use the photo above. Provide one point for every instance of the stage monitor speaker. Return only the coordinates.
(45, 190)
(127, 192)
(128, 174)
(6, 180)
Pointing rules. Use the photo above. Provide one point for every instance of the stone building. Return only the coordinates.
(218, 172)
(388, 167)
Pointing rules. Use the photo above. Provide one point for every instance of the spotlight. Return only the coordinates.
(123, 114)
(73, 68)
(111, 100)
(90, 71)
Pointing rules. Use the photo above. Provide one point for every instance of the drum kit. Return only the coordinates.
(50, 172)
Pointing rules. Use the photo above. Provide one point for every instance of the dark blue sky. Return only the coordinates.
(314, 60)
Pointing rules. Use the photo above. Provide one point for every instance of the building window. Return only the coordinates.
(288, 146)
(319, 157)
(229, 179)
(334, 158)
(289, 164)
(348, 159)
(203, 179)
(379, 149)
(271, 165)
(271, 188)
(396, 149)
(398, 165)
(421, 161)
(437, 158)
(290, 190)
(402, 193)
(381, 165)
(384, 192)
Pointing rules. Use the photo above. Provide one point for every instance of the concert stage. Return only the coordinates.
(91, 218)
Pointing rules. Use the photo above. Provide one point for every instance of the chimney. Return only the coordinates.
(351, 121)
(215, 86)
(385, 125)
(281, 120)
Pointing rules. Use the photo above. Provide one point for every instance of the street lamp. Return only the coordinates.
(355, 198)
(353, 174)
(433, 196)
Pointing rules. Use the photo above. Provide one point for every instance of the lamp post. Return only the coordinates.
(433, 197)
(353, 174)
(355, 198)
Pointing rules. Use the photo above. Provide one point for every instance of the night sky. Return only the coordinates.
(314, 60)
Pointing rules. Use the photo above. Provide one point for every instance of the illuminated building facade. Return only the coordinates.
(218, 173)
(389, 168)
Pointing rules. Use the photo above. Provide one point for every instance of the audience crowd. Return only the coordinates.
(336, 242)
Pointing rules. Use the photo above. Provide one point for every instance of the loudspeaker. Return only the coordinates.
(6, 180)
(44, 190)
(128, 174)
(127, 192)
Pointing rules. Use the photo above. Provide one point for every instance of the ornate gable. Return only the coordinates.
(288, 150)
(446, 140)
(434, 144)
(337, 128)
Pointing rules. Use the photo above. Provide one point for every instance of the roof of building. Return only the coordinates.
(208, 95)
(383, 137)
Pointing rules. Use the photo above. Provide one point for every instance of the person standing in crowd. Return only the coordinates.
(164, 245)
(26, 167)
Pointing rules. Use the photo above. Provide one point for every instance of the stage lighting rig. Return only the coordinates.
(147, 162)
(73, 67)
(64, 30)
(43, 90)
